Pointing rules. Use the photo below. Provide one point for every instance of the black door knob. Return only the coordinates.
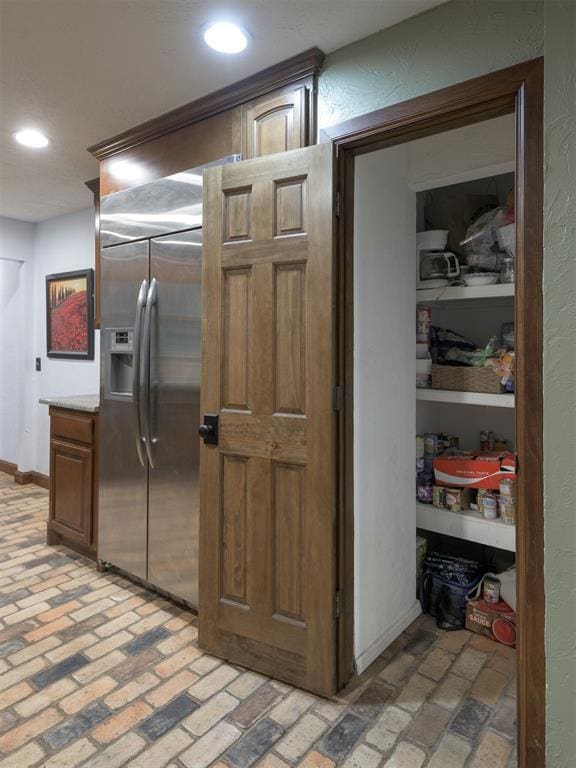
(208, 431)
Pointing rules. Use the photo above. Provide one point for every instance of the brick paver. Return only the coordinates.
(99, 672)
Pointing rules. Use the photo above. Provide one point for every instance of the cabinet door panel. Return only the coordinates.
(71, 490)
(275, 123)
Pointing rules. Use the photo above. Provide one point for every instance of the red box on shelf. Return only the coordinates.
(477, 470)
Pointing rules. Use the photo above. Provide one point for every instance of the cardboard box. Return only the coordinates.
(496, 621)
(477, 470)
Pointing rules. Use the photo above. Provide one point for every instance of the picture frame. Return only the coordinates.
(70, 315)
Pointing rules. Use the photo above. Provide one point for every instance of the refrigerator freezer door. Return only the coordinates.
(123, 487)
(174, 417)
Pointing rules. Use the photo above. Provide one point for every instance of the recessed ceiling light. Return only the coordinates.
(30, 137)
(127, 170)
(226, 37)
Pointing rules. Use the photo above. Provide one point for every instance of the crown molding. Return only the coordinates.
(306, 64)
(93, 185)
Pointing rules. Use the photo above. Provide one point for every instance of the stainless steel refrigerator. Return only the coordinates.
(151, 258)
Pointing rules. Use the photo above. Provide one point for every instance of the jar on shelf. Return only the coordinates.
(507, 268)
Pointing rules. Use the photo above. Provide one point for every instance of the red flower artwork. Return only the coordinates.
(68, 324)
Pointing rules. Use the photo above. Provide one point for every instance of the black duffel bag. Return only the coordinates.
(446, 581)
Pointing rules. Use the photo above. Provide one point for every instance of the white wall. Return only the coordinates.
(28, 253)
(476, 147)
(16, 272)
(384, 402)
(62, 244)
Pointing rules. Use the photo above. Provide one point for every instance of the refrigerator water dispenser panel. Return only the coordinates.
(121, 363)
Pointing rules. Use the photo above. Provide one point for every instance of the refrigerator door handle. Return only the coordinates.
(136, 365)
(151, 302)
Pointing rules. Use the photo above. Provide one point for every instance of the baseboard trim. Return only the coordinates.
(24, 478)
(8, 467)
(388, 636)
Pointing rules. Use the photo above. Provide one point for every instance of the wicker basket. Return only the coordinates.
(466, 379)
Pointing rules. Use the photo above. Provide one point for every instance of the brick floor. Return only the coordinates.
(96, 671)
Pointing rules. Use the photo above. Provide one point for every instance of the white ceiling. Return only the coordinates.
(84, 70)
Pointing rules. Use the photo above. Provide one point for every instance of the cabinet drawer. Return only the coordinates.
(72, 426)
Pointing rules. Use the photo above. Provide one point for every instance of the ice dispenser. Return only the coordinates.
(119, 384)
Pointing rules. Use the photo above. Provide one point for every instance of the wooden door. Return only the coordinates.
(267, 551)
(276, 122)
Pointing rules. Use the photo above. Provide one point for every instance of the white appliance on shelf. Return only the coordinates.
(435, 266)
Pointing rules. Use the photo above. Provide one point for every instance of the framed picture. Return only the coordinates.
(70, 315)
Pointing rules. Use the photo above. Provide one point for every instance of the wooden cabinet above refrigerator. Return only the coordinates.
(271, 111)
(279, 102)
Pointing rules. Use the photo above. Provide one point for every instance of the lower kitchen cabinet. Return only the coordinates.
(73, 514)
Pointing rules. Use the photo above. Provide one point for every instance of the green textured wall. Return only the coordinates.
(455, 42)
(446, 45)
(560, 378)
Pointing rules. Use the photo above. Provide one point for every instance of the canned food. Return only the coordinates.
(507, 504)
(490, 506)
(423, 322)
(508, 488)
(491, 589)
(419, 446)
(480, 499)
(454, 499)
(439, 496)
(454, 442)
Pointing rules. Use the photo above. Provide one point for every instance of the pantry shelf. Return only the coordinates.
(468, 525)
(465, 293)
(465, 398)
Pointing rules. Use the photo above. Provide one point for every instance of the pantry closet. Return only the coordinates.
(444, 182)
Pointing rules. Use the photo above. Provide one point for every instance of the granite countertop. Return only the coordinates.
(89, 403)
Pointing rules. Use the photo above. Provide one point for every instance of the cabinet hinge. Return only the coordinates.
(338, 204)
(337, 604)
(338, 398)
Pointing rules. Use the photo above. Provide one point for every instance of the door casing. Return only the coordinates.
(519, 90)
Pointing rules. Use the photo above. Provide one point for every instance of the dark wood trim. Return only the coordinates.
(286, 72)
(468, 102)
(8, 467)
(520, 89)
(94, 186)
(24, 478)
(345, 374)
(529, 418)
(37, 478)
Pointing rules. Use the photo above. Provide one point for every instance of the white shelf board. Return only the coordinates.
(467, 525)
(465, 293)
(464, 398)
(471, 174)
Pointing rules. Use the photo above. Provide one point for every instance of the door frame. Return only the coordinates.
(517, 89)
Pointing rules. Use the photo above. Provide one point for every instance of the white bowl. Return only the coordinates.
(432, 240)
(481, 278)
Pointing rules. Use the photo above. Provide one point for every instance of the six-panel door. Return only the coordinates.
(266, 596)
